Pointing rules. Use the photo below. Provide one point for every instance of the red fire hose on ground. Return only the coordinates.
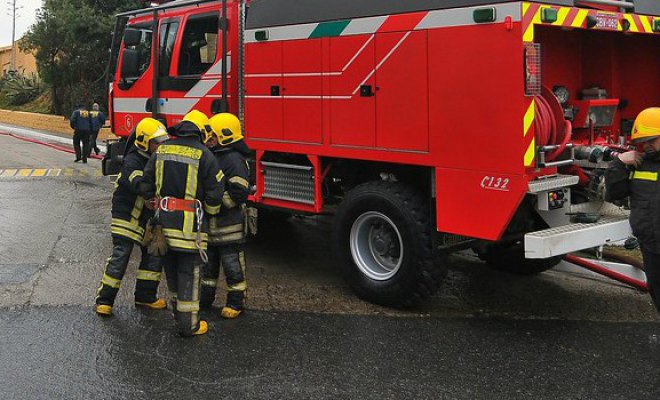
(51, 145)
(591, 266)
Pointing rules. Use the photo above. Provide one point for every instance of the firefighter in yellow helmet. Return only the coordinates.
(129, 217)
(228, 229)
(184, 182)
(635, 174)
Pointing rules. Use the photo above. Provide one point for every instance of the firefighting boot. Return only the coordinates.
(159, 304)
(230, 313)
(104, 310)
(203, 328)
(234, 306)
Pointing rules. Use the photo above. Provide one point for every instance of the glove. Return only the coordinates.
(157, 245)
(252, 215)
(632, 158)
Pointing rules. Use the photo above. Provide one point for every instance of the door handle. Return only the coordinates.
(367, 91)
(275, 90)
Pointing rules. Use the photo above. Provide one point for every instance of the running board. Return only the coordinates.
(574, 237)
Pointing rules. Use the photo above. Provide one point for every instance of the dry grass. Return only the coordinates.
(45, 122)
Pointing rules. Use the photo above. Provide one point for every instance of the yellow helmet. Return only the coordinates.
(227, 128)
(147, 130)
(647, 125)
(201, 121)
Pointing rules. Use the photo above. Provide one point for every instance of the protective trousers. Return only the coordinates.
(183, 272)
(148, 273)
(652, 270)
(92, 143)
(78, 137)
(232, 259)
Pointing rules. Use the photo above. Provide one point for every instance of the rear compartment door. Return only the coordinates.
(302, 89)
(351, 92)
(402, 95)
(263, 88)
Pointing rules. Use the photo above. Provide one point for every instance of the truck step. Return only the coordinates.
(574, 237)
(552, 183)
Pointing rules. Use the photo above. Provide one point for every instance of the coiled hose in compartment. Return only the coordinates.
(550, 126)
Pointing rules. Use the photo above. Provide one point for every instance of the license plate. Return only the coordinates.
(604, 21)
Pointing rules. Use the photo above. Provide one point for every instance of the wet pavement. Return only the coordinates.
(65, 353)
(485, 335)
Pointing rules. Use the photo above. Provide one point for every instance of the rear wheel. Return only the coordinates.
(511, 258)
(383, 241)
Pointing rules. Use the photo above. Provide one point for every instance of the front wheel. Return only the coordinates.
(383, 241)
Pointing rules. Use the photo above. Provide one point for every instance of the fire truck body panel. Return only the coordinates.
(405, 87)
(480, 107)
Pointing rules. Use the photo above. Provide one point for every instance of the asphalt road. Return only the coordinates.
(485, 335)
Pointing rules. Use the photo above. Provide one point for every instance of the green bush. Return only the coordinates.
(19, 89)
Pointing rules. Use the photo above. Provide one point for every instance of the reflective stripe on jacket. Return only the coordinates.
(183, 168)
(129, 216)
(230, 224)
(643, 187)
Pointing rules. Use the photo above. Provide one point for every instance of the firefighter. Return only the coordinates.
(227, 230)
(635, 174)
(81, 124)
(185, 182)
(98, 119)
(129, 218)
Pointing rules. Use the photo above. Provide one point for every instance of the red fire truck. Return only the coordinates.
(425, 127)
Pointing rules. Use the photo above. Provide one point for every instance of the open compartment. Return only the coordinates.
(602, 79)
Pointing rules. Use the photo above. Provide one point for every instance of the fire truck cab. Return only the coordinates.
(425, 127)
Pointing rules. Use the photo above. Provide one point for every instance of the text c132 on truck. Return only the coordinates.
(426, 127)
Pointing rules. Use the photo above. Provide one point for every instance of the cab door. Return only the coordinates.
(167, 35)
(133, 80)
(190, 65)
(352, 95)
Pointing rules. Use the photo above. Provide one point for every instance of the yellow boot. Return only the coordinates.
(230, 313)
(159, 304)
(104, 310)
(203, 328)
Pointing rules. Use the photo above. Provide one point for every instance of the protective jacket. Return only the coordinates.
(97, 120)
(229, 226)
(129, 216)
(643, 187)
(80, 120)
(183, 168)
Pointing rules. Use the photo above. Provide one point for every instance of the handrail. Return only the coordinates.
(166, 6)
(615, 3)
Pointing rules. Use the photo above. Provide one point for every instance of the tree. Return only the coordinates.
(71, 41)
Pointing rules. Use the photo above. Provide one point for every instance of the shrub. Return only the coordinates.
(19, 89)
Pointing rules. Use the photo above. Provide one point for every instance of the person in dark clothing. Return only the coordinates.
(81, 123)
(228, 230)
(129, 218)
(185, 182)
(635, 174)
(98, 119)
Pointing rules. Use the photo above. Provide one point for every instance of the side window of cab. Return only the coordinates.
(199, 45)
(167, 36)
